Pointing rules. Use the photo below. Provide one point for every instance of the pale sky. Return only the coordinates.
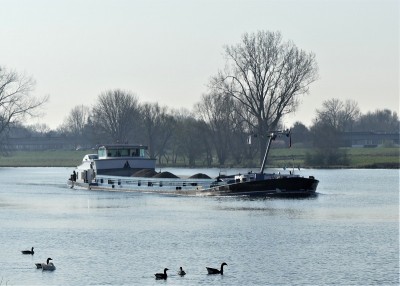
(166, 51)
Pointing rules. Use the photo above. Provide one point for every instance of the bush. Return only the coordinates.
(327, 157)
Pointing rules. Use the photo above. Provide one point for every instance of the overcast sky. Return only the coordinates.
(166, 51)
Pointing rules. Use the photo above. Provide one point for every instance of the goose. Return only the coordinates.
(216, 271)
(39, 265)
(181, 272)
(162, 275)
(28, 251)
(49, 265)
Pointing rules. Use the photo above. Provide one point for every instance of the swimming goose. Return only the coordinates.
(162, 275)
(181, 272)
(216, 271)
(49, 265)
(39, 265)
(28, 251)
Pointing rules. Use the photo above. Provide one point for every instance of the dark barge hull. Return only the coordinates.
(291, 187)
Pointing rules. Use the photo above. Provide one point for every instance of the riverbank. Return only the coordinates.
(376, 158)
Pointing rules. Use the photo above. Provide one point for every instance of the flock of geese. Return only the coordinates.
(181, 272)
(44, 266)
(50, 267)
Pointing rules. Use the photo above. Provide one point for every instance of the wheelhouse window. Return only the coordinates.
(110, 152)
(102, 152)
(135, 152)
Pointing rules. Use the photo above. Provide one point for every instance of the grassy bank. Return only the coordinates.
(374, 157)
(380, 157)
(51, 158)
(359, 158)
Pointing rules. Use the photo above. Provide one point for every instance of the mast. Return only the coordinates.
(272, 136)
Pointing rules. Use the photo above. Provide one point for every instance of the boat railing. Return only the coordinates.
(153, 182)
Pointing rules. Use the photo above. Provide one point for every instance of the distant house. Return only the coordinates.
(33, 143)
(368, 139)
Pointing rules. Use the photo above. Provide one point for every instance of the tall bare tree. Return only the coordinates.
(16, 101)
(266, 76)
(116, 114)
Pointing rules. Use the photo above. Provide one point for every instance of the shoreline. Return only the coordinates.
(366, 158)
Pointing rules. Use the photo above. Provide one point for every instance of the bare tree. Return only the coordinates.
(76, 125)
(189, 140)
(77, 120)
(16, 101)
(216, 111)
(158, 126)
(334, 117)
(116, 114)
(242, 152)
(266, 76)
(338, 114)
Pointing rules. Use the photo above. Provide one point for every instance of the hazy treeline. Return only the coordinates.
(336, 117)
(211, 133)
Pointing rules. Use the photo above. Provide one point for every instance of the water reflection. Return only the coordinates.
(288, 212)
(106, 204)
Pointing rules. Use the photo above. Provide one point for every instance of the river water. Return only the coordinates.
(347, 235)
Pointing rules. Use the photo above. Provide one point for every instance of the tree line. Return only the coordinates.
(262, 81)
(212, 134)
(336, 117)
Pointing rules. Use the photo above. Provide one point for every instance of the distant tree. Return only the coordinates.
(93, 134)
(116, 114)
(216, 111)
(380, 121)
(241, 152)
(77, 120)
(333, 118)
(19, 130)
(39, 128)
(188, 141)
(338, 114)
(300, 133)
(75, 125)
(16, 101)
(265, 76)
(158, 127)
(326, 150)
(324, 135)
